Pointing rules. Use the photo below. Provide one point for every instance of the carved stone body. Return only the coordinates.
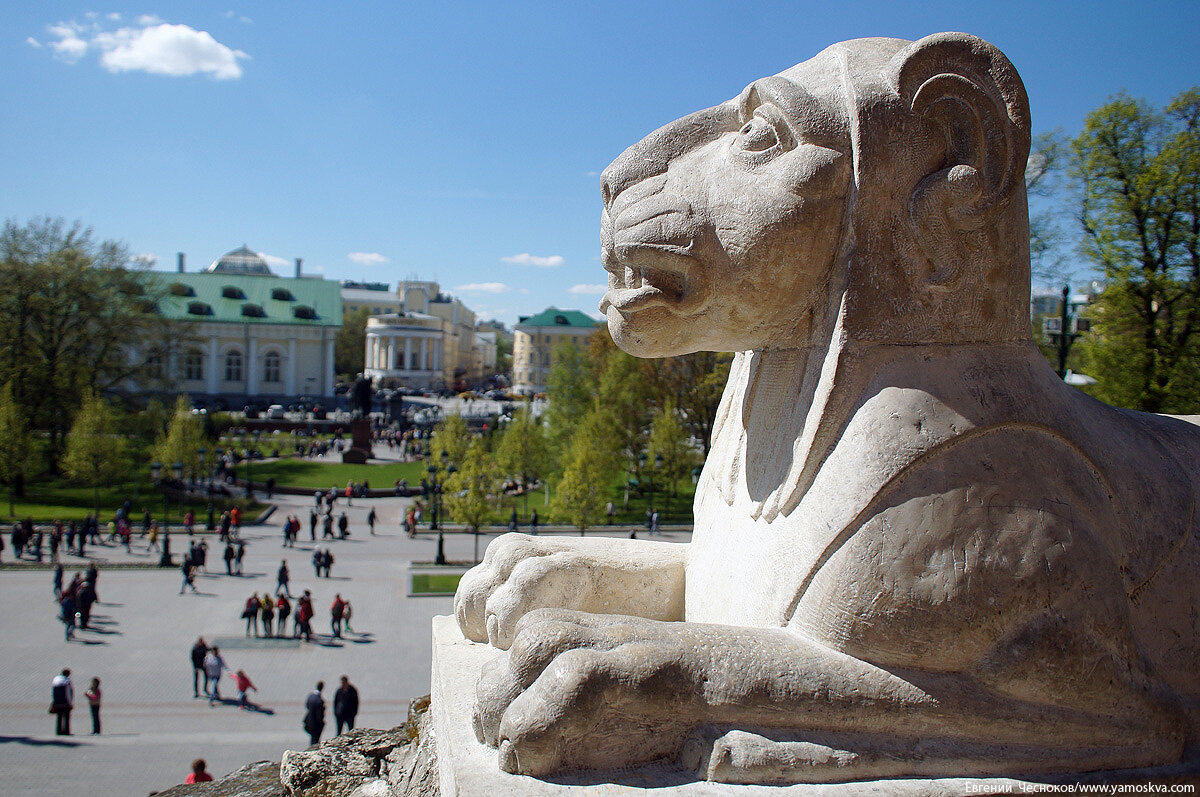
(916, 551)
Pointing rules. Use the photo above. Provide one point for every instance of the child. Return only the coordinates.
(243, 684)
(93, 699)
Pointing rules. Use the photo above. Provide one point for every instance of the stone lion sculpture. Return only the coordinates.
(916, 552)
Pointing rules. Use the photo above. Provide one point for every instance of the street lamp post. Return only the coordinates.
(156, 475)
(435, 522)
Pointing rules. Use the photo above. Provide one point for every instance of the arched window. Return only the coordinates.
(233, 366)
(193, 365)
(271, 367)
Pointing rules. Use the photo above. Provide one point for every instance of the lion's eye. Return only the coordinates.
(758, 135)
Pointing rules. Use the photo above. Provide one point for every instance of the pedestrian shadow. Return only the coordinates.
(102, 631)
(33, 741)
(257, 709)
(361, 639)
(327, 641)
(335, 578)
(88, 642)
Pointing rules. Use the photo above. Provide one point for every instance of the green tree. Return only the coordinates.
(588, 471)
(470, 490)
(452, 437)
(95, 455)
(18, 452)
(349, 347)
(182, 441)
(71, 310)
(1139, 175)
(571, 394)
(694, 383)
(670, 450)
(522, 453)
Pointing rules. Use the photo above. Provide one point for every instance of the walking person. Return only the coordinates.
(345, 705)
(282, 578)
(512, 521)
(371, 518)
(327, 531)
(312, 524)
(304, 615)
(343, 527)
(654, 522)
(327, 561)
(214, 665)
(335, 614)
(314, 713)
(93, 698)
(533, 521)
(241, 554)
(244, 685)
(188, 569)
(228, 556)
(318, 560)
(199, 651)
(347, 611)
(58, 579)
(62, 701)
(68, 608)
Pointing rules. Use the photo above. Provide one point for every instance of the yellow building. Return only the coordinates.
(534, 339)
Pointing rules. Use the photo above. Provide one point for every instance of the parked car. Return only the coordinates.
(276, 412)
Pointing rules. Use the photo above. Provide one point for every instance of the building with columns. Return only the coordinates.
(534, 339)
(249, 335)
(429, 344)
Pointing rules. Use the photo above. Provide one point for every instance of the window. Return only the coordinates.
(232, 292)
(179, 289)
(253, 311)
(304, 311)
(282, 295)
(271, 367)
(193, 365)
(154, 366)
(199, 308)
(233, 366)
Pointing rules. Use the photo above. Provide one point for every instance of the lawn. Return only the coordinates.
(49, 498)
(314, 474)
(435, 583)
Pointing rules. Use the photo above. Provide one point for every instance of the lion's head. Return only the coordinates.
(878, 185)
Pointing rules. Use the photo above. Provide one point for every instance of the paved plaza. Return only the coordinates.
(152, 726)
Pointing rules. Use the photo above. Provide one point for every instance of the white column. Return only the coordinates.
(213, 364)
(252, 366)
(328, 377)
(408, 353)
(290, 368)
(367, 353)
(391, 354)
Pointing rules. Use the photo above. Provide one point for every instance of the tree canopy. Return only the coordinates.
(1139, 176)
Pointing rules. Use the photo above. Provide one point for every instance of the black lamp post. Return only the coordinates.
(435, 521)
(156, 476)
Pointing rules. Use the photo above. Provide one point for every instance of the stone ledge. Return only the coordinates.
(468, 768)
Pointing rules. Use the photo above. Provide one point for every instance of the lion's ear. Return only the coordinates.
(967, 91)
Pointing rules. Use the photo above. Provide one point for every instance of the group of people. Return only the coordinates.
(76, 599)
(207, 662)
(62, 702)
(345, 709)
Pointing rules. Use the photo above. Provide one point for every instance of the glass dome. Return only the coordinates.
(241, 261)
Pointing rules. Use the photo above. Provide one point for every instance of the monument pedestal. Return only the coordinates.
(467, 767)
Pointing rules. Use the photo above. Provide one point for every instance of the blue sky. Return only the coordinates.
(453, 141)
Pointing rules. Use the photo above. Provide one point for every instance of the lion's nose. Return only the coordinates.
(651, 156)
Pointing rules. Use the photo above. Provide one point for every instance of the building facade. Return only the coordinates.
(247, 335)
(429, 342)
(534, 340)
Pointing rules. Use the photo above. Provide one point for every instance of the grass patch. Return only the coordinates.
(434, 583)
(49, 498)
(323, 475)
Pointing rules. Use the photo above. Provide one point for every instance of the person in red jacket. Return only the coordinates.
(335, 612)
(304, 613)
(199, 775)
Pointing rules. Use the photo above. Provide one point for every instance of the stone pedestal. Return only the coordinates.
(360, 443)
(467, 767)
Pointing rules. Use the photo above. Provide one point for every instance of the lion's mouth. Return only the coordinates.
(649, 251)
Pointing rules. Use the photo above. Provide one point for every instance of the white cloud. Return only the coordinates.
(114, 16)
(593, 174)
(483, 287)
(272, 260)
(526, 259)
(152, 46)
(367, 258)
(588, 288)
(70, 46)
(32, 42)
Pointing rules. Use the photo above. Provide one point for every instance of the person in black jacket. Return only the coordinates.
(198, 652)
(314, 713)
(345, 705)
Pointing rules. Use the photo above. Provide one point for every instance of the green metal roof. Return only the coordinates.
(322, 295)
(553, 317)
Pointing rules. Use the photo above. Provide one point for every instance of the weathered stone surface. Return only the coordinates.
(260, 779)
(916, 551)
